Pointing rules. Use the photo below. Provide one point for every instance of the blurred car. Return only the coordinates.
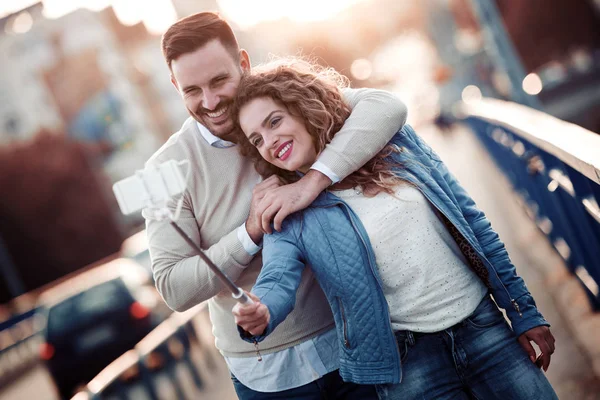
(93, 318)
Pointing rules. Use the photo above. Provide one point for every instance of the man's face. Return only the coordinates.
(207, 80)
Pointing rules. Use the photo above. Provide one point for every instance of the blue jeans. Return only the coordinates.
(328, 387)
(478, 358)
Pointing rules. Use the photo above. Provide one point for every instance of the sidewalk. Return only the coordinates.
(570, 372)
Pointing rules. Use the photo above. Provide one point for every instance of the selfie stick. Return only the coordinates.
(236, 292)
(152, 188)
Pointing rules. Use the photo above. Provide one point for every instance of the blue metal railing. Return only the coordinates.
(554, 167)
(164, 350)
(19, 345)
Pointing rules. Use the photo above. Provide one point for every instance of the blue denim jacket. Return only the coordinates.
(330, 238)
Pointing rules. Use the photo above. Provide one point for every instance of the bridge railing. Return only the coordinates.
(554, 166)
(137, 373)
(19, 345)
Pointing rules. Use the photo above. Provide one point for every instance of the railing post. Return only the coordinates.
(146, 376)
(8, 271)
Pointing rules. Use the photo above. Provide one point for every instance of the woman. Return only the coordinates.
(405, 258)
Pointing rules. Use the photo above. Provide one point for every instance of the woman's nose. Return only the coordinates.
(272, 141)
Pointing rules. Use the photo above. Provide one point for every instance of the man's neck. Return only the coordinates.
(230, 137)
(210, 137)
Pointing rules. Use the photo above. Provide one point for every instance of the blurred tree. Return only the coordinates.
(55, 215)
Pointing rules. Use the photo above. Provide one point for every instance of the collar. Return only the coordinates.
(211, 139)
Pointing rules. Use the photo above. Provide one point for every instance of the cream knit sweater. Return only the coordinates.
(217, 202)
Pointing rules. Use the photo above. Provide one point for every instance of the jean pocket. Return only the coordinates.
(402, 343)
(485, 315)
(382, 391)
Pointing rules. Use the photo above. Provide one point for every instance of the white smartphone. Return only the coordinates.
(150, 187)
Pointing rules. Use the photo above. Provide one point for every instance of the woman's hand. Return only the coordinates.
(253, 318)
(544, 339)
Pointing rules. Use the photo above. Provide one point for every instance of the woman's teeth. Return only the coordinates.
(284, 150)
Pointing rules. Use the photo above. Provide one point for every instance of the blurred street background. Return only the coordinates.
(86, 98)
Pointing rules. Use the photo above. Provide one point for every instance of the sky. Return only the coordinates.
(158, 15)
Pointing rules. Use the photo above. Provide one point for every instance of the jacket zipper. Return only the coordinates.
(258, 355)
(345, 324)
(389, 322)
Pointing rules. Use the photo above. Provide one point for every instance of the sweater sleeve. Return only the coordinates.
(376, 116)
(181, 277)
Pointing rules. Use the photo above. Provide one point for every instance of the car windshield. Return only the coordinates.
(88, 305)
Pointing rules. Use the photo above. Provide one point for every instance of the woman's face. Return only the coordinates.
(280, 137)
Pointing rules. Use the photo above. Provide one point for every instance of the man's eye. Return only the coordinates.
(220, 80)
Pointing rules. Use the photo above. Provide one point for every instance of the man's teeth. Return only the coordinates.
(286, 148)
(217, 113)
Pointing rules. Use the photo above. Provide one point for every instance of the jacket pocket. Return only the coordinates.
(344, 317)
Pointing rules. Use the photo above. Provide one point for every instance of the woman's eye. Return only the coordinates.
(275, 121)
(256, 142)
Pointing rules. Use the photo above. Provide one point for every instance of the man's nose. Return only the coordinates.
(210, 100)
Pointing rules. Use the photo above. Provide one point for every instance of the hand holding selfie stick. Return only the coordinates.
(152, 188)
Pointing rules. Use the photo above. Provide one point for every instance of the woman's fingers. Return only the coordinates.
(524, 342)
(256, 329)
(253, 318)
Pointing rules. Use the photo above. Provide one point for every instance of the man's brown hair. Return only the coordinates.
(192, 32)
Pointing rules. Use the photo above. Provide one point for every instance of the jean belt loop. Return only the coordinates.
(410, 337)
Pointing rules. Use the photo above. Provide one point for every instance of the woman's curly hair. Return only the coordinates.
(312, 93)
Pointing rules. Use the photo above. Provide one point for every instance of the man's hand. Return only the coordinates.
(254, 222)
(544, 339)
(282, 201)
(253, 318)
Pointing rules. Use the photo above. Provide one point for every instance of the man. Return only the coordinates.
(226, 210)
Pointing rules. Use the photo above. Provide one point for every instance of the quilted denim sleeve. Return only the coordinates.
(494, 250)
(279, 278)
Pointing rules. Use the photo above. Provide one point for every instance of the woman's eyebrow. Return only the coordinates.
(264, 123)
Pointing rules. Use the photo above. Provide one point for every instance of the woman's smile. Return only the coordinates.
(284, 151)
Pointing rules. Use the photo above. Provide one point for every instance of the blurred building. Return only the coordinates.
(90, 76)
(103, 91)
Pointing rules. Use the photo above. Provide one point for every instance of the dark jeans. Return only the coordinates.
(328, 387)
(478, 358)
